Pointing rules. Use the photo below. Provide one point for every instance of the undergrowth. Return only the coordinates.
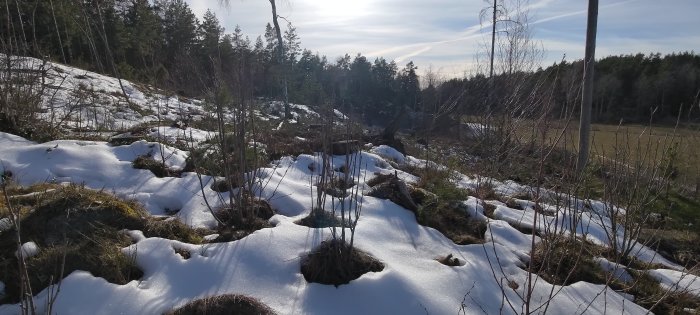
(436, 202)
(444, 210)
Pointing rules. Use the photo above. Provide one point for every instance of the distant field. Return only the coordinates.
(642, 143)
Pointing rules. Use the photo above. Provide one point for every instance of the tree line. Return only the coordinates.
(164, 44)
(628, 88)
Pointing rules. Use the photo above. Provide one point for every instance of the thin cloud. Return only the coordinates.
(448, 33)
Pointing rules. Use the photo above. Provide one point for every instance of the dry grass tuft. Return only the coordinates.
(160, 170)
(77, 224)
(173, 229)
(335, 263)
(563, 261)
(224, 305)
(77, 229)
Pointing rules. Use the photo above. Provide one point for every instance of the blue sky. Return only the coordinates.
(446, 35)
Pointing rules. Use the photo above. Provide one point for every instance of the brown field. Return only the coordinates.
(632, 144)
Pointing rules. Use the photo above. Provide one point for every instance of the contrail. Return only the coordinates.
(564, 15)
(415, 53)
(473, 32)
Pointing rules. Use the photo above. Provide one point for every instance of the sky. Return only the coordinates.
(446, 36)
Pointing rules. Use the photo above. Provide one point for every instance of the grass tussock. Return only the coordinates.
(77, 229)
(563, 261)
(160, 170)
(436, 202)
(683, 247)
(173, 229)
(78, 225)
(652, 296)
(335, 263)
(224, 305)
(237, 226)
(444, 210)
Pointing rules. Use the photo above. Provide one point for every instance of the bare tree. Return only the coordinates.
(280, 59)
(280, 55)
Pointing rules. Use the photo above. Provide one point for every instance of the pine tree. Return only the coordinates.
(209, 32)
(144, 40)
(292, 46)
(270, 42)
(179, 30)
(409, 87)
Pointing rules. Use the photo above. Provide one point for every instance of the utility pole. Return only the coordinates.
(584, 141)
(493, 46)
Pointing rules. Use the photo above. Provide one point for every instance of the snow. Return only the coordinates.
(98, 165)
(617, 271)
(93, 101)
(265, 264)
(389, 153)
(211, 237)
(677, 281)
(28, 249)
(173, 134)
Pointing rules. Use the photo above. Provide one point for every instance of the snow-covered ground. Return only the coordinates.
(265, 264)
(88, 100)
(85, 100)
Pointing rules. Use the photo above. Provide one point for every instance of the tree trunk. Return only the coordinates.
(493, 47)
(280, 57)
(587, 92)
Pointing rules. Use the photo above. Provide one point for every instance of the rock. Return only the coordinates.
(345, 147)
(124, 140)
(395, 190)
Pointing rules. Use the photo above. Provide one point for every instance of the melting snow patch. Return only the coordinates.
(390, 153)
(618, 271)
(211, 237)
(678, 281)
